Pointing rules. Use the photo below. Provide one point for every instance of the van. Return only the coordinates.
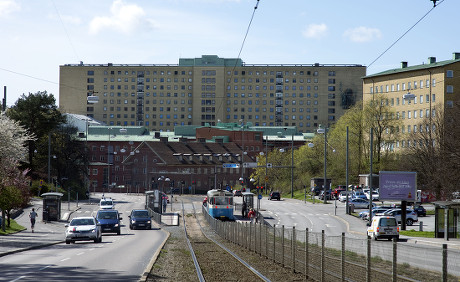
(383, 227)
(106, 204)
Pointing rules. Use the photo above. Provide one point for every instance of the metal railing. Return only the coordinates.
(340, 258)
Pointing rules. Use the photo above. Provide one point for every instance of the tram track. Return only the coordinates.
(213, 261)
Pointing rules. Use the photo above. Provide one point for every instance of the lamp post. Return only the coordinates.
(324, 131)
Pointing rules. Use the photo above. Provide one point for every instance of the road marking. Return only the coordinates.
(79, 254)
(92, 249)
(20, 277)
(65, 259)
(45, 267)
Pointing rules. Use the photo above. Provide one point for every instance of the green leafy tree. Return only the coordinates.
(38, 114)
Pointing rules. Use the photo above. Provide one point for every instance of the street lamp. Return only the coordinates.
(324, 131)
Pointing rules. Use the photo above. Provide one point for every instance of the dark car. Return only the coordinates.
(420, 210)
(109, 221)
(328, 195)
(237, 193)
(274, 195)
(140, 219)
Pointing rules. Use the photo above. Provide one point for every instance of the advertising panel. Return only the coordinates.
(398, 185)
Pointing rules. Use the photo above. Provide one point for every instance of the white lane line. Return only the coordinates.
(45, 267)
(92, 249)
(65, 259)
(20, 277)
(79, 254)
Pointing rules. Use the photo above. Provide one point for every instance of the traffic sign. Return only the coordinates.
(259, 196)
(249, 165)
(230, 165)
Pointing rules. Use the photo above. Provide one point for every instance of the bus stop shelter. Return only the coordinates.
(52, 206)
(446, 219)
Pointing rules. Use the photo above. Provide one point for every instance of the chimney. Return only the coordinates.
(432, 60)
(403, 65)
(456, 55)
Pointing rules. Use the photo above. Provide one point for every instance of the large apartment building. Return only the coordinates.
(416, 92)
(206, 90)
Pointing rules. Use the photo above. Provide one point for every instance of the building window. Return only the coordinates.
(450, 89)
(450, 74)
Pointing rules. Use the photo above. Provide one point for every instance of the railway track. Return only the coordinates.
(212, 260)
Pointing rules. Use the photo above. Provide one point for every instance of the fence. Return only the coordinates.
(340, 258)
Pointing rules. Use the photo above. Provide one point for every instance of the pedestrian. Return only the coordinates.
(243, 210)
(33, 215)
(252, 214)
(165, 203)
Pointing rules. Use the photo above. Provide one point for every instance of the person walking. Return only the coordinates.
(243, 209)
(33, 215)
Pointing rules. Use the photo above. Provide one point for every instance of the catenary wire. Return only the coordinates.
(394, 43)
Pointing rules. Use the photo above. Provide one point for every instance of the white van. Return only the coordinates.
(383, 226)
(106, 204)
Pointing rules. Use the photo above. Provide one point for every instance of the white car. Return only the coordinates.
(411, 215)
(106, 204)
(343, 196)
(375, 195)
(83, 229)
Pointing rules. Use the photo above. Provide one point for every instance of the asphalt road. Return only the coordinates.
(118, 258)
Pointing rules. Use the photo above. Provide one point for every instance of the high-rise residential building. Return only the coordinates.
(416, 92)
(200, 91)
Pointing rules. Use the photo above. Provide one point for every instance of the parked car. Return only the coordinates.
(337, 191)
(375, 196)
(420, 210)
(411, 215)
(343, 196)
(383, 227)
(109, 221)
(274, 195)
(237, 193)
(140, 219)
(365, 214)
(328, 195)
(359, 195)
(83, 229)
(360, 203)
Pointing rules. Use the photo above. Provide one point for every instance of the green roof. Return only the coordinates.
(210, 60)
(414, 68)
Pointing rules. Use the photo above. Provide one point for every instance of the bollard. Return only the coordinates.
(421, 226)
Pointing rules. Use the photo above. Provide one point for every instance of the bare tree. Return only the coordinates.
(434, 152)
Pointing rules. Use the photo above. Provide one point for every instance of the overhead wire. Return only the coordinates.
(394, 43)
(65, 31)
(239, 55)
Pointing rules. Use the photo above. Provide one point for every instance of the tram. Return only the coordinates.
(220, 204)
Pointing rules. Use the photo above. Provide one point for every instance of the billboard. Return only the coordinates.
(398, 185)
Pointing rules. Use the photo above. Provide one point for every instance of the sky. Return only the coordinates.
(37, 36)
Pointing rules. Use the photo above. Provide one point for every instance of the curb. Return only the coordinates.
(149, 267)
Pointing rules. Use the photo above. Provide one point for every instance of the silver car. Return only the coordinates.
(358, 203)
(83, 229)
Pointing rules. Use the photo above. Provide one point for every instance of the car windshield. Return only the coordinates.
(106, 203)
(81, 221)
(107, 215)
(141, 213)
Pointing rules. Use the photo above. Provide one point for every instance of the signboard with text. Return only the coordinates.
(398, 185)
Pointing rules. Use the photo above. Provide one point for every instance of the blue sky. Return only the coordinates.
(37, 36)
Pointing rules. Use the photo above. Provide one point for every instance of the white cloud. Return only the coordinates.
(123, 18)
(7, 7)
(362, 34)
(315, 30)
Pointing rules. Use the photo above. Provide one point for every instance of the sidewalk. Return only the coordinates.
(45, 233)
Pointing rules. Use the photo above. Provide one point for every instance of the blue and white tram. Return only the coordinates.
(220, 204)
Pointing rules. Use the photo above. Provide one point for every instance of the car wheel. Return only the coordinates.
(67, 241)
(409, 222)
(130, 227)
(118, 232)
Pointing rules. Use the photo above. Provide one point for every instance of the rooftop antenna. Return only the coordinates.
(434, 2)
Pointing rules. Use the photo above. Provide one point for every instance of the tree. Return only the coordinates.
(38, 114)
(434, 152)
(13, 138)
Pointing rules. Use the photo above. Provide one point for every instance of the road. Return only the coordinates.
(117, 258)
